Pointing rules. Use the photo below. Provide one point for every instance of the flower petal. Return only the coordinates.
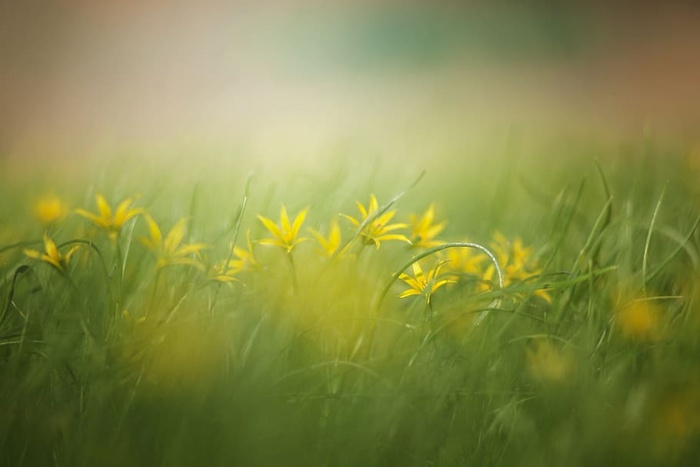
(271, 226)
(103, 207)
(175, 236)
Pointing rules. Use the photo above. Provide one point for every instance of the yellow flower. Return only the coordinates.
(424, 231)
(330, 244)
(244, 259)
(49, 209)
(465, 261)
(516, 261)
(105, 219)
(286, 233)
(374, 231)
(51, 255)
(640, 320)
(221, 273)
(548, 364)
(168, 250)
(422, 284)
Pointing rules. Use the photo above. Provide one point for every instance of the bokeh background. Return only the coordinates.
(282, 78)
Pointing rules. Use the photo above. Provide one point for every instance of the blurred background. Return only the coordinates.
(277, 77)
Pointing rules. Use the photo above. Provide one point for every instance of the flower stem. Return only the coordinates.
(395, 276)
(295, 283)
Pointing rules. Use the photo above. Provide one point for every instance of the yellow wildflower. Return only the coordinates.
(105, 219)
(286, 233)
(224, 271)
(49, 209)
(424, 231)
(375, 231)
(221, 273)
(51, 255)
(465, 260)
(330, 244)
(422, 284)
(516, 261)
(168, 250)
(640, 320)
(548, 364)
(245, 259)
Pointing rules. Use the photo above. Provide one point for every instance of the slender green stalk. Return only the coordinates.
(236, 230)
(645, 256)
(293, 271)
(678, 249)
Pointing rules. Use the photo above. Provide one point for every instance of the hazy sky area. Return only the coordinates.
(75, 74)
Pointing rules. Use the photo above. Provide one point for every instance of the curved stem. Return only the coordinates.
(395, 276)
(103, 264)
(432, 251)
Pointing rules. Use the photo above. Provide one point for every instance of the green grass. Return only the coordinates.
(309, 362)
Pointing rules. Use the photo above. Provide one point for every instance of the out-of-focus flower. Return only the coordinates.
(376, 231)
(225, 271)
(50, 209)
(675, 420)
(547, 363)
(640, 320)
(465, 260)
(331, 243)
(105, 219)
(423, 284)
(51, 255)
(516, 261)
(169, 250)
(285, 234)
(424, 230)
(244, 259)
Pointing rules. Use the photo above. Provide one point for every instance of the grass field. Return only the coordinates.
(502, 309)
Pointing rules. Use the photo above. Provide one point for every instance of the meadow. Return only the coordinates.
(508, 308)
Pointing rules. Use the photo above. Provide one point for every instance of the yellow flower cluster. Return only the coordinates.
(373, 226)
(168, 250)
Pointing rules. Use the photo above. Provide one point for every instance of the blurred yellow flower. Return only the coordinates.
(423, 284)
(176, 355)
(676, 420)
(245, 259)
(221, 273)
(225, 271)
(51, 255)
(376, 230)
(169, 251)
(547, 363)
(516, 261)
(424, 230)
(465, 260)
(105, 219)
(286, 234)
(640, 320)
(331, 243)
(50, 209)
